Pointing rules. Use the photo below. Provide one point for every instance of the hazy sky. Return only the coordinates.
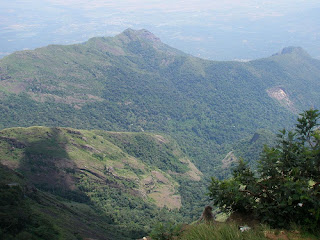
(184, 4)
(250, 8)
(184, 24)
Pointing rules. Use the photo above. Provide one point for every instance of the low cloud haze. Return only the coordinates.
(224, 30)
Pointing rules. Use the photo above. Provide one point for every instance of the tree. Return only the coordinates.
(285, 188)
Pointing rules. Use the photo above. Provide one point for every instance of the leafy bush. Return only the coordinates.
(286, 188)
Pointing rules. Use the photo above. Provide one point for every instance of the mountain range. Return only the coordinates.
(134, 82)
(133, 119)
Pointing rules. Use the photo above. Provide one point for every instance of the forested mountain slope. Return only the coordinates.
(92, 184)
(134, 82)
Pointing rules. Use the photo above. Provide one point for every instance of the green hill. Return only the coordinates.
(30, 213)
(95, 184)
(134, 82)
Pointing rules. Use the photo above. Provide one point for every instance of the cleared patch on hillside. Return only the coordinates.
(193, 173)
(228, 160)
(282, 97)
(165, 196)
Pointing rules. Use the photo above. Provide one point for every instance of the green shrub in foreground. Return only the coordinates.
(286, 188)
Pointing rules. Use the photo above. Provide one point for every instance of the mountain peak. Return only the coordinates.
(299, 51)
(142, 34)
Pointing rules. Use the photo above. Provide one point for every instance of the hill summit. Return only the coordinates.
(299, 51)
(142, 34)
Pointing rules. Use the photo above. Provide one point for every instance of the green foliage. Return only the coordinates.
(250, 148)
(166, 231)
(28, 213)
(18, 220)
(286, 189)
(158, 153)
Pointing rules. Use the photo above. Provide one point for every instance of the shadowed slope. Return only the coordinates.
(118, 178)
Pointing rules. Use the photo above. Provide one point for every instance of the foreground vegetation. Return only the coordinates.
(283, 192)
(226, 231)
(230, 231)
(285, 189)
(220, 232)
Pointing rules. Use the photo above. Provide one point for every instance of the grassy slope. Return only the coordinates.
(109, 177)
(29, 213)
(226, 231)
